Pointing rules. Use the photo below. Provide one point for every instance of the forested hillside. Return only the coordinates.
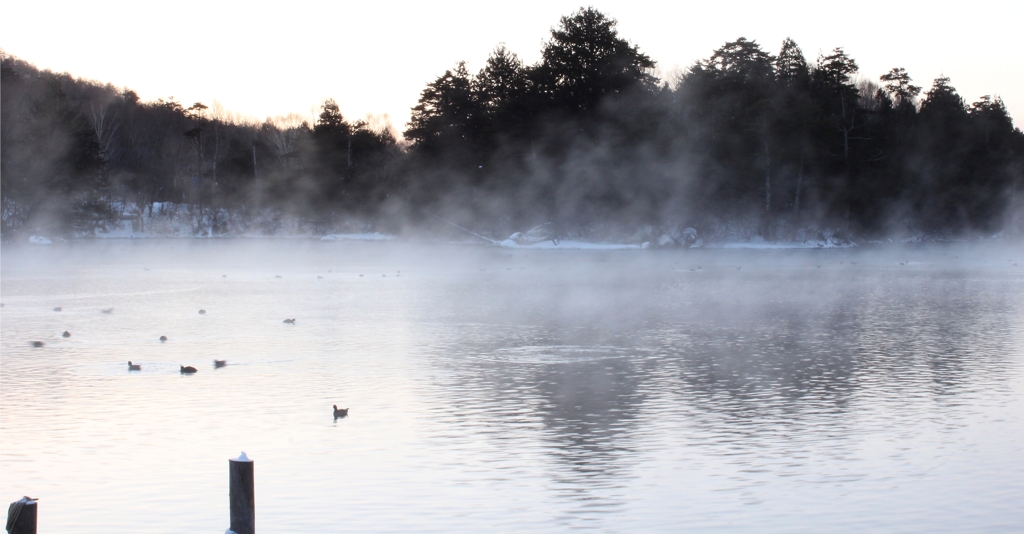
(746, 142)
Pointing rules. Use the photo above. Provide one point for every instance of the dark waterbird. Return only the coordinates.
(163, 339)
(289, 321)
(219, 363)
(187, 370)
(108, 311)
(338, 413)
(66, 334)
(202, 312)
(58, 308)
(38, 344)
(134, 367)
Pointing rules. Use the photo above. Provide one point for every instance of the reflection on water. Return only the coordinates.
(514, 391)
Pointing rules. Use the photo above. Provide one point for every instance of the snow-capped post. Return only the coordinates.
(243, 495)
(21, 516)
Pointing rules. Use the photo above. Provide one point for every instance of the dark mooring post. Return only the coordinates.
(243, 495)
(21, 516)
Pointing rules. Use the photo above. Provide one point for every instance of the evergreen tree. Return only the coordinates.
(586, 61)
(897, 83)
(940, 155)
(731, 98)
(445, 122)
(791, 65)
(795, 117)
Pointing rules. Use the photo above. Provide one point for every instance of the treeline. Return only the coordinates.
(744, 138)
(745, 141)
(79, 156)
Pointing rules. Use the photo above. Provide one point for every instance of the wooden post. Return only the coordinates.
(21, 516)
(243, 495)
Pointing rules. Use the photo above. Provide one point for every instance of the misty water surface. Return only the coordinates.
(495, 390)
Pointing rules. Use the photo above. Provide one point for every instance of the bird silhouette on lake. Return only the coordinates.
(163, 339)
(38, 344)
(66, 334)
(339, 413)
(219, 363)
(58, 308)
(108, 311)
(202, 312)
(187, 370)
(134, 367)
(289, 321)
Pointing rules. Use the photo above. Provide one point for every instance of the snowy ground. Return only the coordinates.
(167, 220)
(768, 245)
(568, 244)
(168, 228)
(375, 236)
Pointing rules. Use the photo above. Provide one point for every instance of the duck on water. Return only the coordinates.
(134, 366)
(338, 413)
(187, 369)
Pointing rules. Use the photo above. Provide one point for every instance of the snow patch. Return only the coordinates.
(375, 236)
(761, 244)
(570, 245)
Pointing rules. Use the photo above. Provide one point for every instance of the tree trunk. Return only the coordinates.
(767, 192)
(799, 184)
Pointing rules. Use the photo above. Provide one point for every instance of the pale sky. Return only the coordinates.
(266, 59)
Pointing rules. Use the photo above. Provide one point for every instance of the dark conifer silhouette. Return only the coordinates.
(742, 143)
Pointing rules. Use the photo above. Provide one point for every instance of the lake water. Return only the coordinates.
(525, 391)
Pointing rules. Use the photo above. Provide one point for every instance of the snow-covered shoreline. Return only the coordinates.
(366, 236)
(567, 244)
(570, 245)
(171, 221)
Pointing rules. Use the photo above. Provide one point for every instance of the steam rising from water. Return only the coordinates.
(515, 390)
